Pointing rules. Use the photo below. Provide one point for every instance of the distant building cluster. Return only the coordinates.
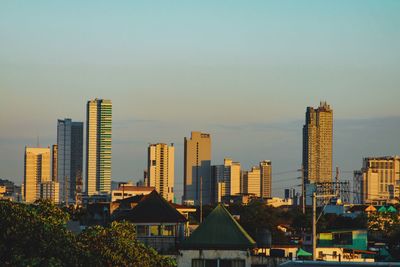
(57, 172)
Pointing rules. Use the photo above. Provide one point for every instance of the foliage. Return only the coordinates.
(36, 235)
(117, 246)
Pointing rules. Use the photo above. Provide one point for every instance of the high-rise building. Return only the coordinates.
(69, 157)
(232, 177)
(50, 190)
(98, 147)
(54, 154)
(317, 144)
(266, 178)
(160, 168)
(197, 168)
(252, 181)
(37, 170)
(378, 182)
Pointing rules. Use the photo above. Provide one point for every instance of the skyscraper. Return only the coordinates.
(70, 157)
(160, 169)
(37, 170)
(232, 177)
(98, 146)
(197, 164)
(266, 178)
(317, 144)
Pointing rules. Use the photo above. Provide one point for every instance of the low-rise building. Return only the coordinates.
(218, 241)
(125, 191)
(158, 223)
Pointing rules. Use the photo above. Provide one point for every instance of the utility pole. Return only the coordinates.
(201, 199)
(314, 226)
(315, 220)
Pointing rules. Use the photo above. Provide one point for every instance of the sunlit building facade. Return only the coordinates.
(37, 170)
(197, 169)
(317, 144)
(98, 146)
(160, 169)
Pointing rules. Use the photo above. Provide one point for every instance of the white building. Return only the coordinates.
(160, 169)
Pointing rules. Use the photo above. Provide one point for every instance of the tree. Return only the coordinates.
(36, 235)
(117, 245)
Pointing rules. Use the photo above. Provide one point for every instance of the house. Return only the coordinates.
(158, 224)
(218, 241)
(344, 245)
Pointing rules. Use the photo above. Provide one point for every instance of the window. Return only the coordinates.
(345, 238)
(141, 230)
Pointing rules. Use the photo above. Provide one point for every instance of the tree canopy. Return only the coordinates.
(36, 235)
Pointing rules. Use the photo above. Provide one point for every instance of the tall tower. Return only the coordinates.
(266, 178)
(98, 146)
(37, 170)
(317, 144)
(70, 157)
(160, 169)
(197, 164)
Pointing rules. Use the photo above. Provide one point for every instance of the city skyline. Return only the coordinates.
(227, 69)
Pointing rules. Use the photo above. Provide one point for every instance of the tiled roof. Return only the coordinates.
(219, 231)
(152, 208)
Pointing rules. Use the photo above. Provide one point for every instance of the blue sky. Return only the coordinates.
(242, 70)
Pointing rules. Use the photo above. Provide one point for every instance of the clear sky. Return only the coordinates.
(243, 71)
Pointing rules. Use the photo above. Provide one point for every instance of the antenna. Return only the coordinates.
(37, 142)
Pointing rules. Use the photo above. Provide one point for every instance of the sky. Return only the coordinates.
(243, 71)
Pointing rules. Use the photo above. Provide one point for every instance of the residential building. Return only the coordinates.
(344, 245)
(158, 223)
(252, 181)
(50, 190)
(317, 144)
(126, 191)
(278, 202)
(218, 241)
(197, 168)
(98, 146)
(378, 182)
(69, 158)
(37, 170)
(160, 168)
(232, 177)
(266, 178)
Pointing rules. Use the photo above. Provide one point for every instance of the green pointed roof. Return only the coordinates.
(219, 231)
(391, 209)
(302, 253)
(382, 209)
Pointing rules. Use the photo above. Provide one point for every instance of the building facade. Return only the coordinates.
(69, 158)
(266, 178)
(98, 146)
(197, 168)
(252, 181)
(37, 170)
(160, 168)
(50, 190)
(317, 144)
(54, 165)
(378, 181)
